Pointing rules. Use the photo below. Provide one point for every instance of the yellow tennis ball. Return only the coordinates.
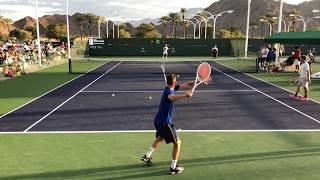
(178, 75)
(150, 97)
(113, 95)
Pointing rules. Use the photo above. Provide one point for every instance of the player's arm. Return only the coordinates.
(177, 97)
(308, 76)
(186, 85)
(191, 83)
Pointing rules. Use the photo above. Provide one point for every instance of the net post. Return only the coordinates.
(70, 67)
(257, 65)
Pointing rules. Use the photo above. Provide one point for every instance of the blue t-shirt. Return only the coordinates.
(166, 108)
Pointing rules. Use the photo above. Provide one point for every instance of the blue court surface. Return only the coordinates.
(124, 96)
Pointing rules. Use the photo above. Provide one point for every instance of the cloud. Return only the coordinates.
(127, 9)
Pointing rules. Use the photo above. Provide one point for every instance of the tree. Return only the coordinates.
(56, 31)
(187, 24)
(268, 17)
(91, 19)
(294, 19)
(236, 33)
(253, 26)
(147, 31)
(209, 30)
(183, 12)
(174, 18)
(233, 32)
(7, 21)
(81, 20)
(123, 33)
(164, 21)
(314, 30)
(21, 35)
(32, 30)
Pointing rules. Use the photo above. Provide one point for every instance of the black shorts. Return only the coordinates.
(168, 133)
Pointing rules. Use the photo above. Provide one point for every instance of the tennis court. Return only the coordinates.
(124, 96)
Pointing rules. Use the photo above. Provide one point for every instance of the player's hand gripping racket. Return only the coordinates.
(203, 75)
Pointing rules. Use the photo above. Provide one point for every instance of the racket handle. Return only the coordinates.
(194, 87)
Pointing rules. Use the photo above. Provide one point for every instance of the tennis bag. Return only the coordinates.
(315, 75)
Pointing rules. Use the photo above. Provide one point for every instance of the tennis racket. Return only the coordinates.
(293, 81)
(203, 75)
(164, 72)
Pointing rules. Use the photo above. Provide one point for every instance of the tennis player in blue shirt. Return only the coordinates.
(163, 122)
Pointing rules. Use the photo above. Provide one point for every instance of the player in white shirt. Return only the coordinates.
(165, 52)
(264, 54)
(304, 79)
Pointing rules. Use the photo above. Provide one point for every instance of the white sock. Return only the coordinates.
(174, 164)
(150, 151)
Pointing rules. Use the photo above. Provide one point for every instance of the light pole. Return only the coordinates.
(113, 29)
(99, 27)
(68, 32)
(280, 16)
(315, 10)
(284, 22)
(215, 17)
(206, 22)
(198, 22)
(107, 28)
(194, 27)
(247, 32)
(38, 34)
(270, 25)
(214, 25)
(316, 17)
(301, 18)
(114, 21)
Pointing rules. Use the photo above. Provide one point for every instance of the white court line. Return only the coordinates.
(50, 91)
(265, 82)
(153, 131)
(70, 98)
(199, 91)
(170, 59)
(292, 108)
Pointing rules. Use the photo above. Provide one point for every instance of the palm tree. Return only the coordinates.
(164, 21)
(253, 26)
(81, 20)
(186, 25)
(8, 21)
(262, 27)
(91, 19)
(206, 16)
(183, 12)
(174, 17)
(269, 16)
(295, 18)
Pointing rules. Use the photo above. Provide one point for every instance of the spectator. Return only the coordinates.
(271, 57)
(314, 53)
(297, 56)
(13, 55)
(288, 62)
(281, 50)
(311, 57)
(264, 53)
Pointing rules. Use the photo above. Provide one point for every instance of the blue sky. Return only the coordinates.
(126, 9)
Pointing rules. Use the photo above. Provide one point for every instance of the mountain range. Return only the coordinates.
(237, 19)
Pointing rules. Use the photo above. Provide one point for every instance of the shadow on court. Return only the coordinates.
(138, 170)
